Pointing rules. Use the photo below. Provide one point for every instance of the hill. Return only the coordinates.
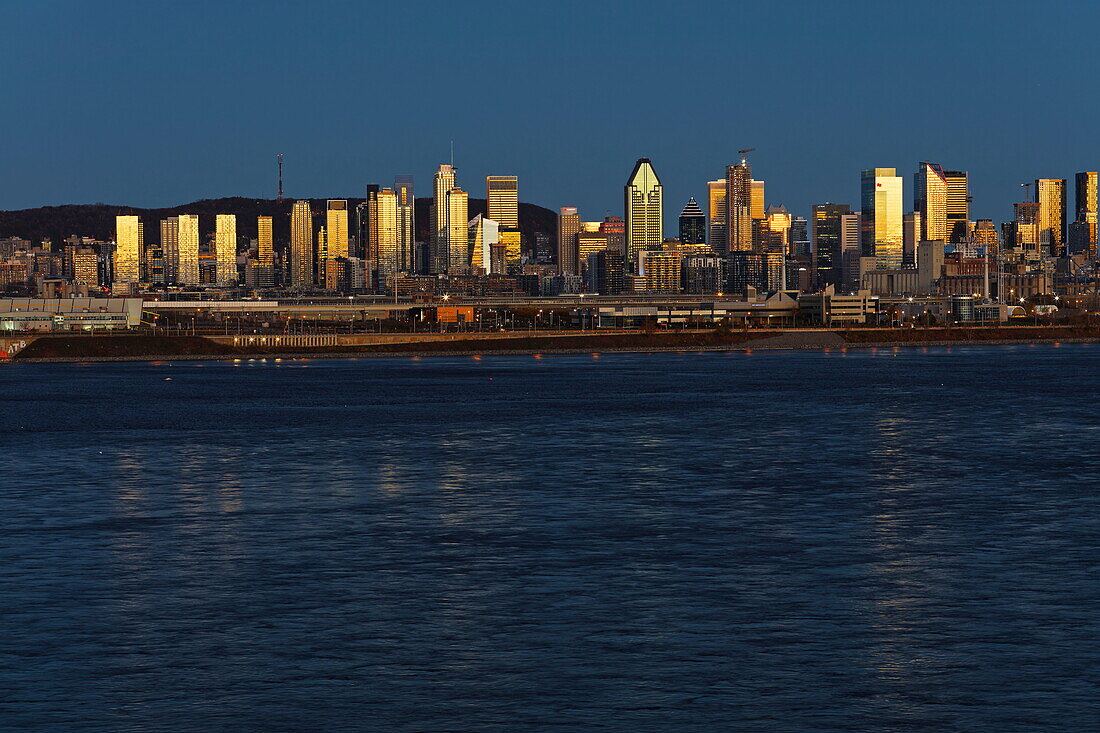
(98, 220)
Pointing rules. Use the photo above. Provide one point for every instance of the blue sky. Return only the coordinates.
(155, 104)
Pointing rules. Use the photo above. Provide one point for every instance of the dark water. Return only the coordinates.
(872, 541)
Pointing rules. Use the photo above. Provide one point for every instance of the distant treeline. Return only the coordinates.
(57, 223)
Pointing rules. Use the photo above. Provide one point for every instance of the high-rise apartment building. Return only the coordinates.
(800, 236)
(590, 239)
(406, 222)
(716, 208)
(693, 224)
(502, 200)
(1050, 194)
(188, 250)
(825, 233)
(336, 228)
(615, 229)
(85, 266)
(265, 252)
(756, 200)
(739, 207)
(169, 248)
(660, 271)
(958, 204)
(643, 198)
(777, 225)
(1083, 232)
(386, 236)
(225, 249)
(458, 231)
(569, 225)
(301, 245)
(930, 201)
(129, 248)
(881, 198)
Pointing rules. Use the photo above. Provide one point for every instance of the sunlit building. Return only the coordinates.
(301, 245)
(716, 208)
(406, 222)
(128, 250)
(502, 200)
(930, 201)
(569, 225)
(188, 250)
(958, 204)
(265, 253)
(336, 229)
(660, 270)
(1083, 232)
(169, 248)
(442, 184)
(387, 237)
(225, 248)
(881, 198)
(756, 200)
(458, 233)
(512, 241)
(483, 233)
(739, 207)
(643, 196)
(1050, 194)
(615, 229)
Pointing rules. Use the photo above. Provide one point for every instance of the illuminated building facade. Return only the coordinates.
(265, 252)
(457, 233)
(188, 250)
(386, 235)
(881, 198)
(660, 270)
(930, 201)
(1050, 194)
(716, 208)
(502, 200)
(225, 248)
(958, 204)
(1083, 232)
(128, 250)
(739, 207)
(643, 199)
(301, 245)
(484, 234)
(336, 230)
(442, 184)
(569, 225)
(406, 222)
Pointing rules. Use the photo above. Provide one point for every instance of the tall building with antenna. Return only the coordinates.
(442, 184)
(739, 206)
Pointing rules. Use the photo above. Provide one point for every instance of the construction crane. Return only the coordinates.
(1028, 192)
(745, 152)
(280, 159)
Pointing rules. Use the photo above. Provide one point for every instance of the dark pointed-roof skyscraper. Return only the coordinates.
(693, 224)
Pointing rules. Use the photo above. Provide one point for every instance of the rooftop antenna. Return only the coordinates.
(744, 153)
(280, 159)
(452, 153)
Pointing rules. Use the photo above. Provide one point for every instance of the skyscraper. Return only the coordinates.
(881, 197)
(386, 236)
(569, 225)
(615, 229)
(301, 245)
(128, 250)
(693, 224)
(1050, 193)
(716, 207)
(756, 200)
(483, 234)
(265, 252)
(458, 234)
(225, 248)
(911, 225)
(825, 232)
(643, 196)
(188, 249)
(169, 247)
(851, 226)
(502, 200)
(958, 204)
(1084, 229)
(739, 207)
(930, 200)
(336, 228)
(406, 222)
(443, 182)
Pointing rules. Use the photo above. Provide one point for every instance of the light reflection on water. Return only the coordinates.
(892, 540)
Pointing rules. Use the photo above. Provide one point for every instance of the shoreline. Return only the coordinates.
(760, 344)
